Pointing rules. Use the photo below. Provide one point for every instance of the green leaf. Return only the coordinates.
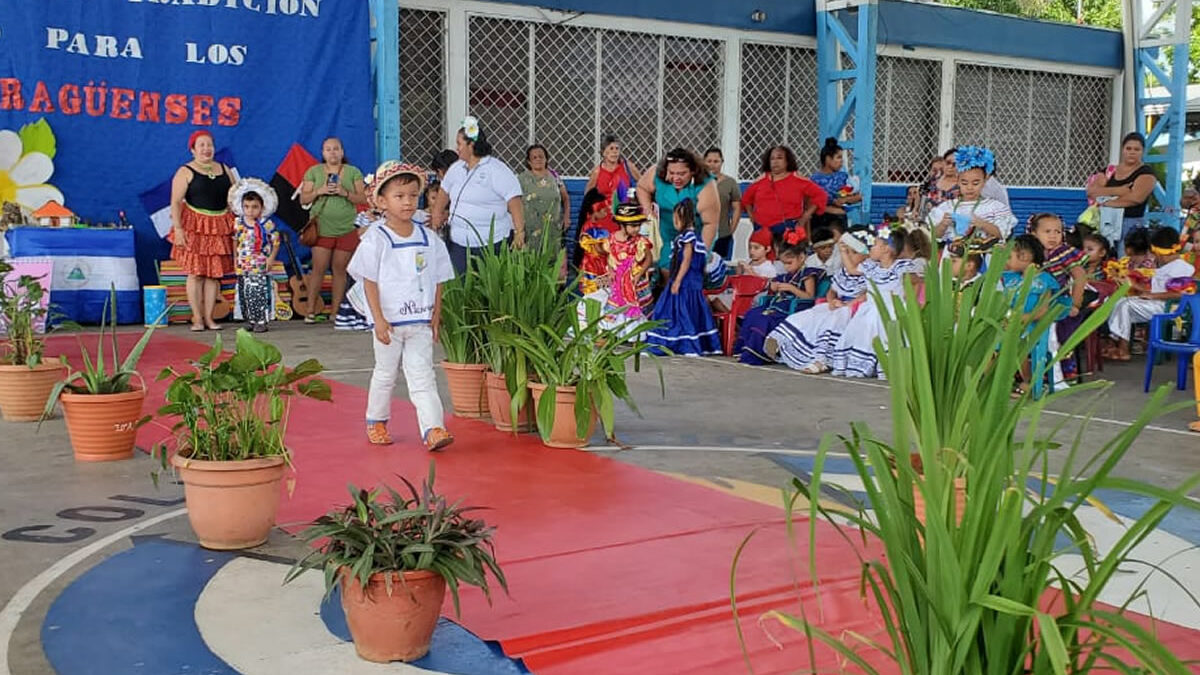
(38, 137)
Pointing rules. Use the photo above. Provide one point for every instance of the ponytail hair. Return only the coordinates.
(829, 150)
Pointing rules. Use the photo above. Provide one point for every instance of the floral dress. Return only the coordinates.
(542, 199)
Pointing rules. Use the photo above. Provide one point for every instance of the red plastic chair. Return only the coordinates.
(745, 288)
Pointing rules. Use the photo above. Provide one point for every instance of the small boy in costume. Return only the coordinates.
(255, 245)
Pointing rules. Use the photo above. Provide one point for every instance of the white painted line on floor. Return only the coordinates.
(343, 371)
(880, 385)
(711, 448)
(25, 595)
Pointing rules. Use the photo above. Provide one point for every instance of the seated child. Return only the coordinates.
(824, 259)
(762, 263)
(788, 293)
(854, 353)
(805, 340)
(687, 326)
(1147, 299)
(1065, 263)
(256, 244)
(972, 214)
(966, 265)
(1026, 252)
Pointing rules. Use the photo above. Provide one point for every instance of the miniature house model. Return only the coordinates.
(53, 214)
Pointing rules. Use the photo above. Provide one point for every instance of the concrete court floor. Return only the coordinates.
(717, 421)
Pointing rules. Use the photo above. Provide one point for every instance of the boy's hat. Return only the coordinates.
(246, 185)
(389, 170)
(762, 237)
(629, 213)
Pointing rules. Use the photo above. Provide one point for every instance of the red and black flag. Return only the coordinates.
(286, 182)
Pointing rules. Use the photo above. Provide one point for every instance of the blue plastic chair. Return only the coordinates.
(1157, 343)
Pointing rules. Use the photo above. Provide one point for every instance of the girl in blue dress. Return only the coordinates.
(788, 293)
(687, 322)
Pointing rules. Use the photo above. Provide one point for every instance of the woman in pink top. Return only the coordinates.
(614, 171)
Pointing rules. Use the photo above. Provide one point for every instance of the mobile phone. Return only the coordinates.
(331, 179)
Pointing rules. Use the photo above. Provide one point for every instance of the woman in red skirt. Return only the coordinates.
(202, 227)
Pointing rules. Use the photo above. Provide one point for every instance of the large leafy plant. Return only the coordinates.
(97, 376)
(383, 530)
(237, 407)
(584, 351)
(23, 308)
(460, 331)
(517, 287)
(963, 592)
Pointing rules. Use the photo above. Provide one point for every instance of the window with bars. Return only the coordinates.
(779, 103)
(422, 84)
(1046, 128)
(566, 86)
(907, 110)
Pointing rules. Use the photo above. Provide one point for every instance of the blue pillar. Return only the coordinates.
(849, 27)
(1171, 74)
(385, 70)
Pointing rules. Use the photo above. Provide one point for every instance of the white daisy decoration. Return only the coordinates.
(23, 175)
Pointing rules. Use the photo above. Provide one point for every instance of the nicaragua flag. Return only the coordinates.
(151, 243)
(87, 264)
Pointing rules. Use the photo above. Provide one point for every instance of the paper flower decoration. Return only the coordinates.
(26, 163)
(970, 157)
(470, 127)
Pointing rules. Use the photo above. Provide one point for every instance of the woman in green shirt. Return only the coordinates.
(333, 189)
(547, 205)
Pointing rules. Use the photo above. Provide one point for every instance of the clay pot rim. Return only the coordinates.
(481, 367)
(44, 365)
(138, 392)
(542, 387)
(250, 464)
(409, 575)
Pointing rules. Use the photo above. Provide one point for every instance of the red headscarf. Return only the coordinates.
(762, 237)
(195, 137)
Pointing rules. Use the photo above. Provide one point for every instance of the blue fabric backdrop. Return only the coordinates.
(122, 83)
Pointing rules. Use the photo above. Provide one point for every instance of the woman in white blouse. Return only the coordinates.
(479, 199)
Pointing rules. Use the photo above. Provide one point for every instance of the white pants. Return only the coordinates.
(412, 349)
(1129, 311)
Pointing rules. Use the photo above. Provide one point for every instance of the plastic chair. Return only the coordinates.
(745, 288)
(1158, 343)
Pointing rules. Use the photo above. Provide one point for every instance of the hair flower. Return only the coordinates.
(470, 127)
(970, 157)
(794, 236)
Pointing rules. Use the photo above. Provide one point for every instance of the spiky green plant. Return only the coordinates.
(382, 530)
(964, 592)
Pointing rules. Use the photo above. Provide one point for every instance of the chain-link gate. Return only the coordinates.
(652, 91)
(1046, 128)
(422, 84)
(779, 104)
(907, 110)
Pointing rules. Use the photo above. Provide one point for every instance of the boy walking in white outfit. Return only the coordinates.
(402, 266)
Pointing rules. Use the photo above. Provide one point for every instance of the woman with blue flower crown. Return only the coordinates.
(971, 215)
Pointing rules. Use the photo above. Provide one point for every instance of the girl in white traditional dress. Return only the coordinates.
(806, 340)
(971, 214)
(854, 354)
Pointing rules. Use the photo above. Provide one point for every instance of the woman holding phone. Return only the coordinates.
(334, 189)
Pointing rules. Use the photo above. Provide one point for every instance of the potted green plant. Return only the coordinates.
(228, 437)
(392, 556)
(102, 404)
(25, 378)
(461, 335)
(581, 362)
(517, 286)
(964, 588)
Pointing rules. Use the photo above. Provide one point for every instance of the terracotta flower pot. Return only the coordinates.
(395, 627)
(562, 434)
(103, 427)
(231, 505)
(960, 492)
(467, 393)
(24, 390)
(500, 405)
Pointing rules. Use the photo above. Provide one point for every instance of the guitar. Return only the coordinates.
(300, 287)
